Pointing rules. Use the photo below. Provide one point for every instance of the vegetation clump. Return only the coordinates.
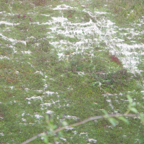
(115, 59)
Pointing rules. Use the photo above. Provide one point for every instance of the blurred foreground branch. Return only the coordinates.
(82, 122)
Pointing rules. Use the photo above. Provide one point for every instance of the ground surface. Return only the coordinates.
(74, 59)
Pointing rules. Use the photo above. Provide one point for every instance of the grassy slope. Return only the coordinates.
(85, 100)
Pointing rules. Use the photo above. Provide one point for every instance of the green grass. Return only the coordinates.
(77, 95)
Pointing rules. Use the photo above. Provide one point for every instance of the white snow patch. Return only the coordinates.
(50, 92)
(4, 57)
(39, 72)
(71, 117)
(92, 140)
(23, 119)
(12, 40)
(46, 104)
(26, 52)
(63, 7)
(35, 98)
(49, 112)
(38, 116)
(63, 139)
(2, 134)
(8, 23)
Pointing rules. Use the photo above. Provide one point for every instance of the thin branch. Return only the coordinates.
(79, 123)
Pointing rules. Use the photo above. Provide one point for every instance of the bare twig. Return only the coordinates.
(79, 123)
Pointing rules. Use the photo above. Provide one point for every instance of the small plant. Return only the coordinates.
(52, 130)
(115, 59)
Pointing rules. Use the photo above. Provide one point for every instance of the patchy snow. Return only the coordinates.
(92, 140)
(26, 52)
(88, 33)
(49, 112)
(38, 116)
(71, 117)
(4, 57)
(50, 92)
(8, 23)
(63, 7)
(12, 40)
(35, 98)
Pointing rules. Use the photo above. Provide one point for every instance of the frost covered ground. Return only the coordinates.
(66, 59)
